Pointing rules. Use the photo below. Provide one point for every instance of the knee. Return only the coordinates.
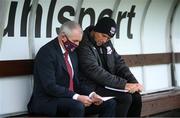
(78, 107)
(137, 98)
(127, 99)
(110, 103)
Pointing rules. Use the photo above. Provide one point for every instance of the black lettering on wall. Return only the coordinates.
(104, 13)
(50, 17)
(131, 14)
(11, 20)
(61, 17)
(25, 13)
(9, 30)
(84, 12)
(119, 18)
(38, 21)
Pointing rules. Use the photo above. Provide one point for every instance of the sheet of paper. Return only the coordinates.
(114, 89)
(106, 98)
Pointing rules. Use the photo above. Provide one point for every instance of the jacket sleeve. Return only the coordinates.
(122, 69)
(80, 88)
(45, 66)
(83, 89)
(90, 68)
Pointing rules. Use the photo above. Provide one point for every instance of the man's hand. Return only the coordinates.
(97, 99)
(85, 100)
(140, 87)
(134, 87)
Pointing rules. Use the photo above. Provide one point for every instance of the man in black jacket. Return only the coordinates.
(101, 66)
(57, 91)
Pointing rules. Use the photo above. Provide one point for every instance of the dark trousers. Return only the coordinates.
(128, 105)
(74, 108)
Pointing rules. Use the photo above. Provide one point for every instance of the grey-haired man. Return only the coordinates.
(57, 91)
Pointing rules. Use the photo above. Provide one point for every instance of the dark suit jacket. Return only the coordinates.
(94, 74)
(51, 79)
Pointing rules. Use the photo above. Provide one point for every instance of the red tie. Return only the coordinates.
(71, 88)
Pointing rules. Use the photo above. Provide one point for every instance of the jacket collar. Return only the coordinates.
(88, 32)
(94, 47)
(61, 54)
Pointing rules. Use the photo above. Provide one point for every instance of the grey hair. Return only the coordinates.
(68, 27)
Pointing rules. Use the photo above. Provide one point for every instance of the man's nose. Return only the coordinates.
(105, 40)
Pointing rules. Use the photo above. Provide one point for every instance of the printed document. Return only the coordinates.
(114, 89)
(106, 98)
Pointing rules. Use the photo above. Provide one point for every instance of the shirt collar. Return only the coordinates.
(63, 50)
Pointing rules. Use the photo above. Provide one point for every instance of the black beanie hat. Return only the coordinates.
(106, 25)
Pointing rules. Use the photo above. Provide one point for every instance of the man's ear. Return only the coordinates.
(63, 37)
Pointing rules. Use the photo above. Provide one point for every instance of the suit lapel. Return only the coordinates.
(60, 55)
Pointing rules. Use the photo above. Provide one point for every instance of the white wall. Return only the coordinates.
(15, 94)
(176, 40)
(155, 39)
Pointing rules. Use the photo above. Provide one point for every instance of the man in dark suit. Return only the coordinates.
(57, 91)
(101, 66)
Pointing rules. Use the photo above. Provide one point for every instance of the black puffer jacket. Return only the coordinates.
(93, 73)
